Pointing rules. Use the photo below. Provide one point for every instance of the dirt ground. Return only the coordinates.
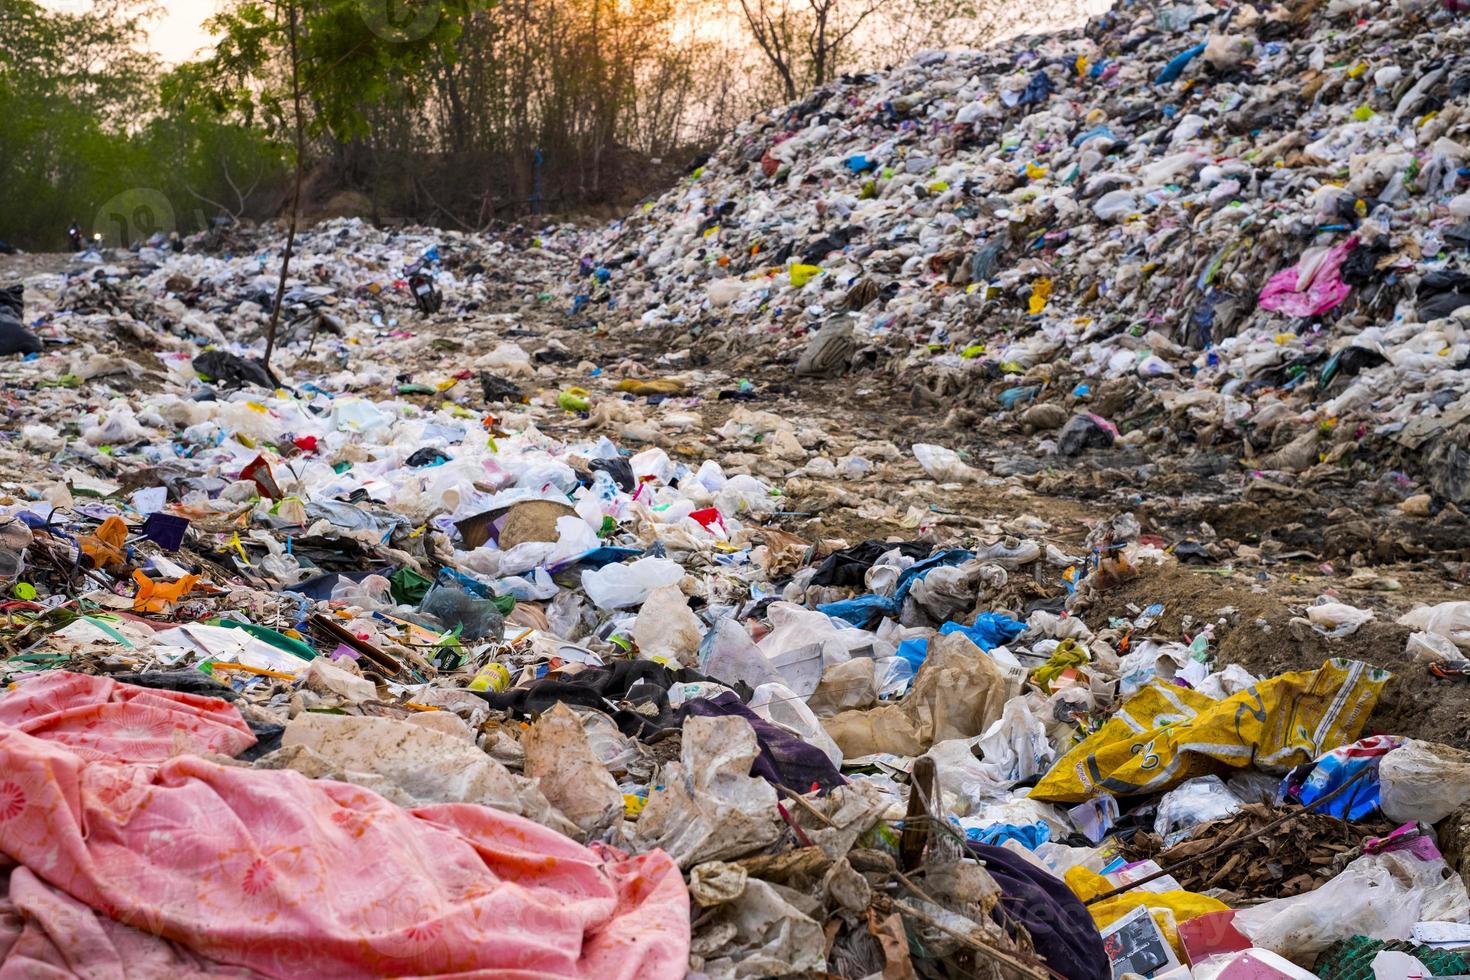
(15, 268)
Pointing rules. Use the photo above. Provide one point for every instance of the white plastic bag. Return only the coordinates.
(944, 464)
(667, 629)
(803, 643)
(967, 783)
(729, 654)
(1380, 896)
(1016, 745)
(780, 705)
(1448, 619)
(1423, 781)
(623, 586)
(1114, 205)
(1336, 618)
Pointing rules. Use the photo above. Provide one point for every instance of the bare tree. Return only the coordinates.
(833, 25)
(774, 26)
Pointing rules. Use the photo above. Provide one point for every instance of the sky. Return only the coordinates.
(178, 32)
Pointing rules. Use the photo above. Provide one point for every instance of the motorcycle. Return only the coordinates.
(426, 294)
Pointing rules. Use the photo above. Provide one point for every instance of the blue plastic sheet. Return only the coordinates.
(1030, 836)
(1039, 89)
(1092, 133)
(864, 609)
(915, 651)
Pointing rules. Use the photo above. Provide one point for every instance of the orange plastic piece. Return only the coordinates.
(157, 597)
(105, 548)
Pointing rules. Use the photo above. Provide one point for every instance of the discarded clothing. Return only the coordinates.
(298, 870)
(784, 759)
(847, 568)
(1055, 919)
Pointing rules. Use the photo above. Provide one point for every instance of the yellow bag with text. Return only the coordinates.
(1165, 734)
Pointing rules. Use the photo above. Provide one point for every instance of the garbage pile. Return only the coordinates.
(460, 639)
(1186, 227)
(306, 680)
(350, 282)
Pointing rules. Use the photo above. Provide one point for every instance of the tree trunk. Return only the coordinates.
(270, 337)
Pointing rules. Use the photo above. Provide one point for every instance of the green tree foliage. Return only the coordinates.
(92, 131)
(354, 55)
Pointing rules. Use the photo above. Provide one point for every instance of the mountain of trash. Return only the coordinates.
(1248, 221)
(477, 636)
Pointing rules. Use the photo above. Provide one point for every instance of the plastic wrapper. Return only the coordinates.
(708, 806)
(476, 618)
(564, 763)
(1193, 803)
(413, 764)
(958, 693)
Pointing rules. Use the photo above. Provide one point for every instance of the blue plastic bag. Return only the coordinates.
(1308, 784)
(1176, 67)
(991, 630)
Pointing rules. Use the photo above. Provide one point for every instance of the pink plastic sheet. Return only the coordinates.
(290, 877)
(1311, 287)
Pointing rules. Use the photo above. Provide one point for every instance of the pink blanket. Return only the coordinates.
(290, 877)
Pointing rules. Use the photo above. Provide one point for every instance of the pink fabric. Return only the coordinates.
(45, 933)
(268, 870)
(98, 718)
(1323, 289)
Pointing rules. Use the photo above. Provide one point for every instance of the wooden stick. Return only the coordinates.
(972, 942)
(923, 778)
(806, 805)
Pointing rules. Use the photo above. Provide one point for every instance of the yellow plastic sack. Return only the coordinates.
(1168, 908)
(1165, 734)
(803, 274)
(661, 386)
(1040, 294)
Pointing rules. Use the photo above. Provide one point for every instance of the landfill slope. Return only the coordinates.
(1237, 230)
